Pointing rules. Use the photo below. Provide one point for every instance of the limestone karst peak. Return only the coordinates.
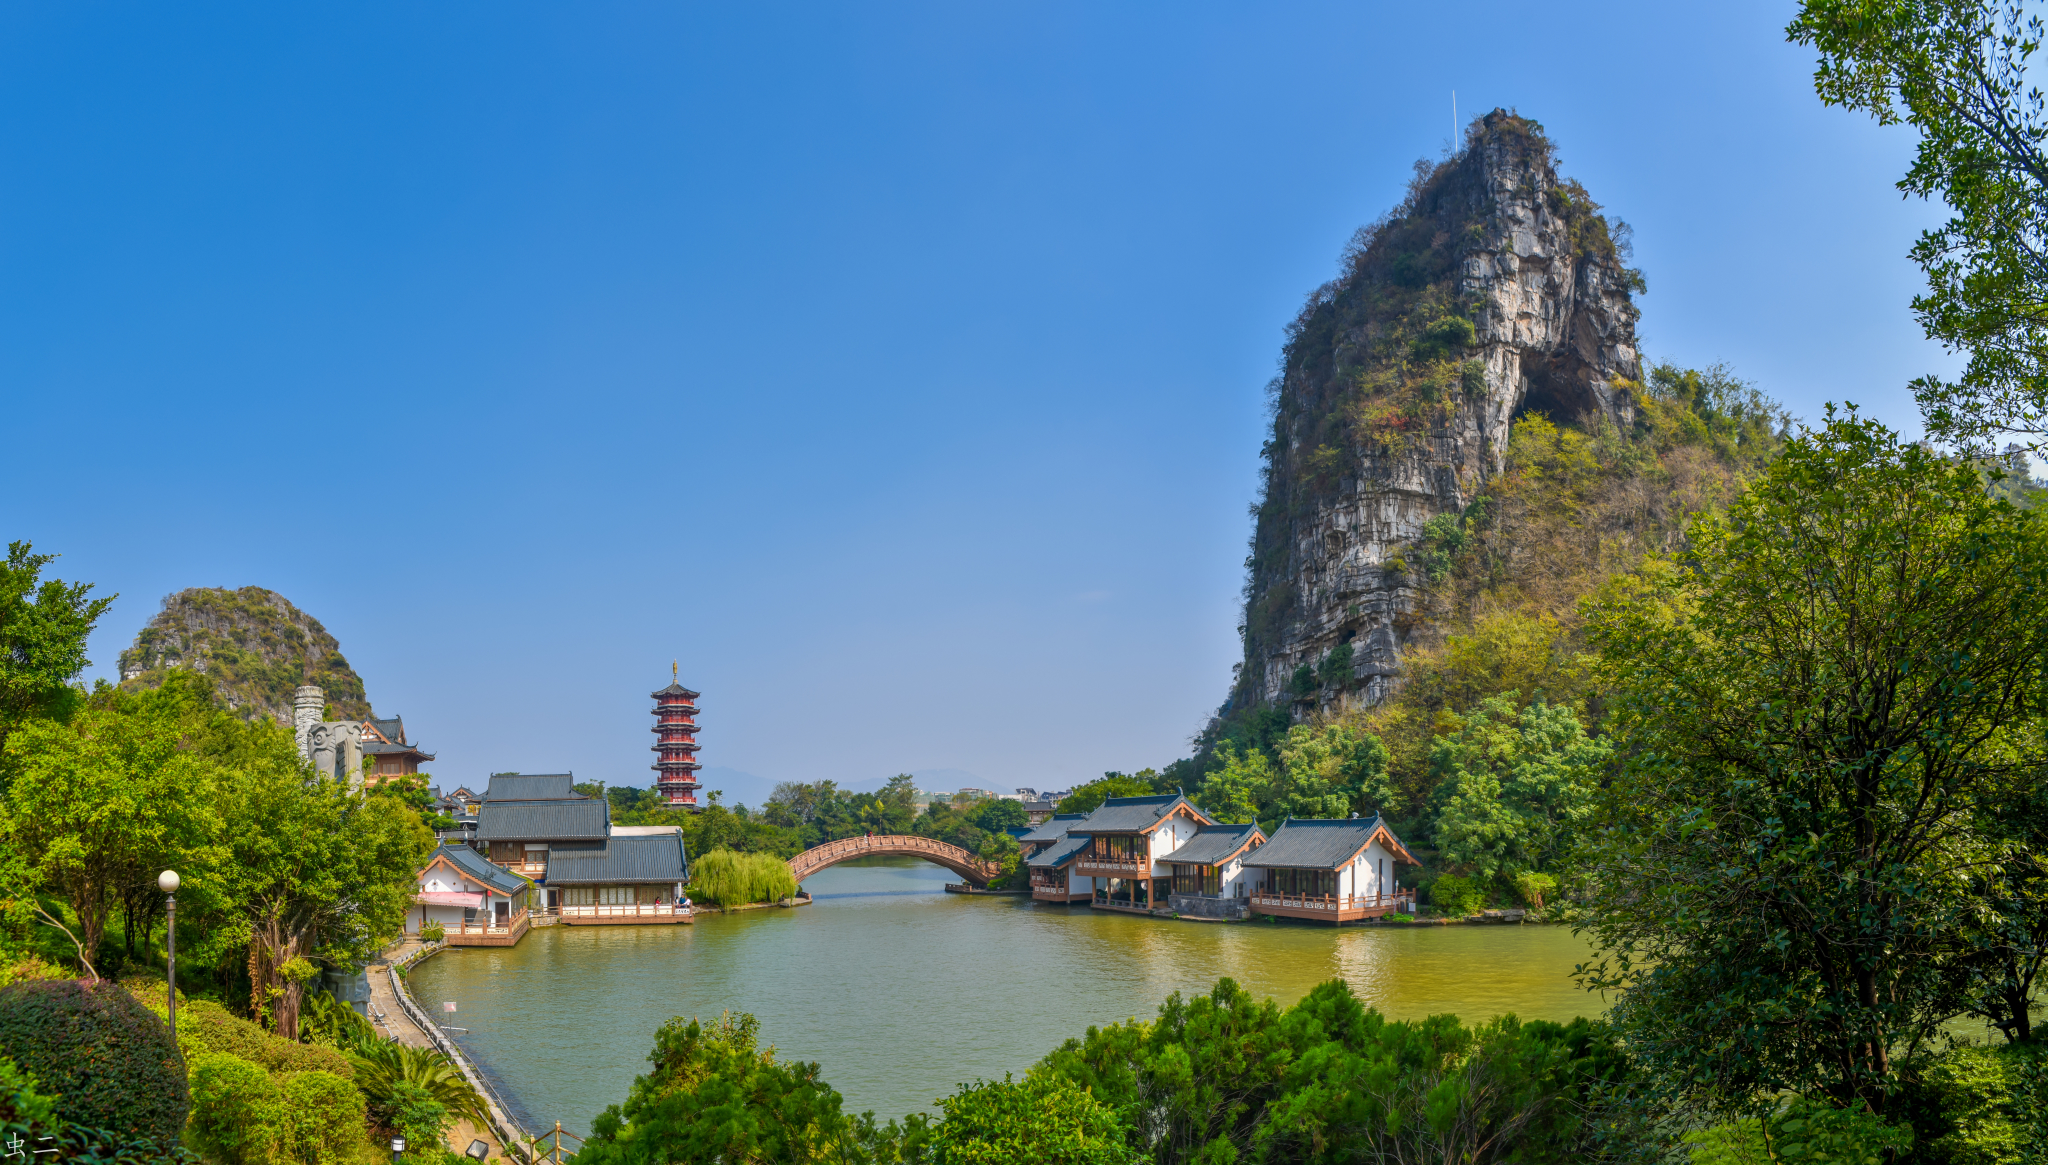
(1495, 289)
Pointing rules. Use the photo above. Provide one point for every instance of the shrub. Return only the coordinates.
(729, 878)
(323, 1117)
(328, 1022)
(235, 1107)
(385, 1071)
(1801, 1130)
(433, 932)
(413, 1113)
(1042, 1118)
(1533, 887)
(103, 1056)
(1457, 897)
(208, 1027)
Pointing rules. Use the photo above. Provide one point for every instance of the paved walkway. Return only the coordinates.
(391, 1020)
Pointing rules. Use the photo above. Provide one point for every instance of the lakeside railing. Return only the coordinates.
(510, 1135)
(626, 910)
(1332, 903)
(512, 923)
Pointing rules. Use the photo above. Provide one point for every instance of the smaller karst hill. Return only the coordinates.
(255, 646)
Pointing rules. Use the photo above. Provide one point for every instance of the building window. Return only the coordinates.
(576, 896)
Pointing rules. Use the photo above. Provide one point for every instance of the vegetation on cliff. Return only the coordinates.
(255, 646)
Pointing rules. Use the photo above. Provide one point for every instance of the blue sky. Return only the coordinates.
(896, 367)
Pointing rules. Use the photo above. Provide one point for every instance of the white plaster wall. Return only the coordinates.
(445, 915)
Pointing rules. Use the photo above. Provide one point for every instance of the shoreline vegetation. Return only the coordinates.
(1759, 707)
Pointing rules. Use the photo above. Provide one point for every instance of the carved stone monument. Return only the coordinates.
(334, 746)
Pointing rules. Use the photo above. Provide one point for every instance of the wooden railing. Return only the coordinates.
(1334, 903)
(1138, 864)
(486, 926)
(626, 910)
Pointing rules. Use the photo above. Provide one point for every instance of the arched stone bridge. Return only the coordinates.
(952, 857)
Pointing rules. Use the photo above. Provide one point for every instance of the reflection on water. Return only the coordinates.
(902, 991)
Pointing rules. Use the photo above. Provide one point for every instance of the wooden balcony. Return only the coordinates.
(1055, 890)
(487, 932)
(1331, 908)
(1113, 866)
(628, 914)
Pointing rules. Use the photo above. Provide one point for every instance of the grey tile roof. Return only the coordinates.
(1053, 828)
(658, 858)
(1060, 853)
(377, 747)
(530, 787)
(577, 818)
(1133, 814)
(1311, 843)
(473, 863)
(392, 729)
(1213, 845)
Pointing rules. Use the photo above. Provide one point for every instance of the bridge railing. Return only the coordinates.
(819, 856)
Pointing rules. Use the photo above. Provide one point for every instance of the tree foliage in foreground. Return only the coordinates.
(1218, 1078)
(1813, 710)
(1956, 70)
(43, 627)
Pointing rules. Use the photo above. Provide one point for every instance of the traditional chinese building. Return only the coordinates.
(390, 754)
(675, 744)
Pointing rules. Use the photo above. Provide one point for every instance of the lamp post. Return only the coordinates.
(397, 1147)
(168, 883)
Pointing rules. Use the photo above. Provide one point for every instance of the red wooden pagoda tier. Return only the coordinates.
(675, 745)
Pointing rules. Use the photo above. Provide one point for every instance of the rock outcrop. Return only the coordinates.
(255, 646)
(1495, 289)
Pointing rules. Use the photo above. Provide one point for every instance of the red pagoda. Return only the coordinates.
(675, 744)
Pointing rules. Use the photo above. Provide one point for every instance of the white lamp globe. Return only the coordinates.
(398, 1144)
(167, 881)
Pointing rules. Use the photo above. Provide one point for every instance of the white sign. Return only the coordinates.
(449, 1007)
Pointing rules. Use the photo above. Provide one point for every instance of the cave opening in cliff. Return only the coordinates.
(1554, 392)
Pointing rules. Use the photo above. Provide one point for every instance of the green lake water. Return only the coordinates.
(901, 991)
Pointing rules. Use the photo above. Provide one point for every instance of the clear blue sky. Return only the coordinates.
(896, 367)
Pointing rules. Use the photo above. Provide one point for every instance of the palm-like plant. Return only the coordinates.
(380, 1069)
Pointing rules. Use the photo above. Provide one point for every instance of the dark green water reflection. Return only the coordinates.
(902, 991)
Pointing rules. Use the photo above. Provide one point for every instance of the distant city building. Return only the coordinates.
(675, 744)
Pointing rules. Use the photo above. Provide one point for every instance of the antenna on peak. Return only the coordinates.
(1454, 119)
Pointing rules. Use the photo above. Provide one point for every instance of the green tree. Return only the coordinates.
(101, 803)
(1812, 711)
(1956, 70)
(1089, 797)
(1332, 770)
(43, 627)
(714, 1094)
(318, 872)
(999, 814)
(1043, 1119)
(1513, 786)
(1239, 790)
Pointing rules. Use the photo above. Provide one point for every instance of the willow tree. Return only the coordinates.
(1815, 708)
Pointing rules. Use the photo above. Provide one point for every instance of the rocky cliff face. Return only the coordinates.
(254, 644)
(1494, 289)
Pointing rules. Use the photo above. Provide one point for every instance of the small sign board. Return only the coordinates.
(449, 1007)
